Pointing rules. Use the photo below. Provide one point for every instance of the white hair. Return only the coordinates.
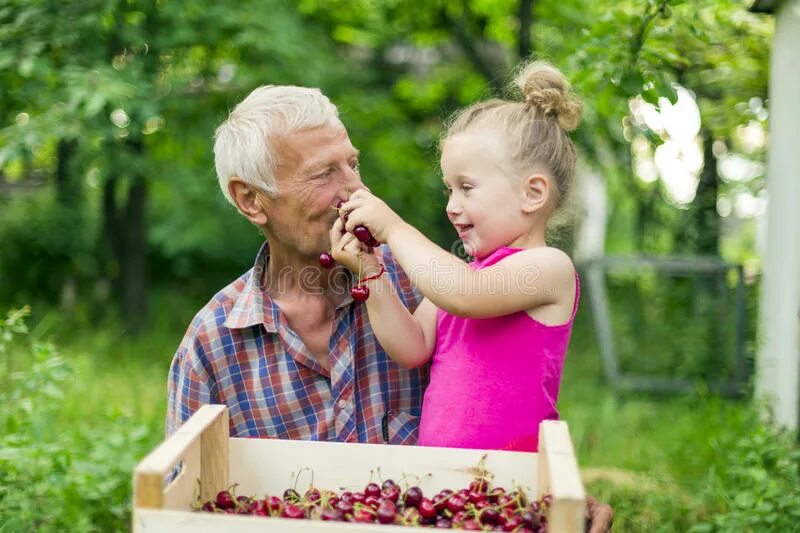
(243, 143)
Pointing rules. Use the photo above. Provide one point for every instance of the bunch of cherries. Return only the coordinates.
(359, 292)
(476, 507)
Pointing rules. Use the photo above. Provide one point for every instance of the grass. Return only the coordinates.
(647, 456)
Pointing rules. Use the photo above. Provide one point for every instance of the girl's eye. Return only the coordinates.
(447, 191)
(356, 166)
(466, 188)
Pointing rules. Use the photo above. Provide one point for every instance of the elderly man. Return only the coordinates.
(285, 347)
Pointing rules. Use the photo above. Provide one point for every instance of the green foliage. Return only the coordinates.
(759, 490)
(54, 478)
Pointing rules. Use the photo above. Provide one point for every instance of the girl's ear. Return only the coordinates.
(536, 191)
(247, 201)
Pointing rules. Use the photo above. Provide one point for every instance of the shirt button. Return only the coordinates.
(342, 404)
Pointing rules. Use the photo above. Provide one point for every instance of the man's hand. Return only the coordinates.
(599, 516)
(365, 209)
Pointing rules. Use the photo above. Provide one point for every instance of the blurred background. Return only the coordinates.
(113, 231)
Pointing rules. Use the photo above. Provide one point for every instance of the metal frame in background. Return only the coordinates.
(595, 271)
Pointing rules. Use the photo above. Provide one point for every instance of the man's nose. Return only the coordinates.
(353, 180)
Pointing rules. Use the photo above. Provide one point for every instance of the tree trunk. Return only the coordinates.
(524, 44)
(706, 219)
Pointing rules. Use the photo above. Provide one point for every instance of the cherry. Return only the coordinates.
(495, 493)
(313, 495)
(412, 497)
(361, 233)
(455, 504)
(334, 515)
(225, 500)
(326, 260)
(244, 505)
(479, 485)
(291, 495)
(372, 242)
(391, 493)
(261, 508)
(358, 497)
(293, 511)
(471, 524)
(475, 497)
(372, 489)
(347, 496)
(362, 515)
(389, 483)
(530, 520)
(360, 293)
(208, 507)
(443, 523)
(275, 505)
(345, 507)
(489, 516)
(512, 523)
(386, 512)
(426, 508)
(372, 501)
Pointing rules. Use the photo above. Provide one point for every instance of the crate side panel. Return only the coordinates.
(270, 466)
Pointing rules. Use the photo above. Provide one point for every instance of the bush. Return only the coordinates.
(760, 489)
(54, 478)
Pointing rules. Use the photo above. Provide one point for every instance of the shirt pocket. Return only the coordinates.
(400, 427)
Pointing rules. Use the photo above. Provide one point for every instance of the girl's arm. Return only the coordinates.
(523, 281)
(408, 339)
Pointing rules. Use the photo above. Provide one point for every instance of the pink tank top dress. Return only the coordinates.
(493, 380)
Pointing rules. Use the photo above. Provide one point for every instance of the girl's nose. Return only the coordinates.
(452, 208)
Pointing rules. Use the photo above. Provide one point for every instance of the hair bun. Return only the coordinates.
(546, 89)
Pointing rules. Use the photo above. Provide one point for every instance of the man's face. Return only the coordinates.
(317, 167)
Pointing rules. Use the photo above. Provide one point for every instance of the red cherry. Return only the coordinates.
(455, 504)
(391, 493)
(372, 501)
(489, 516)
(313, 495)
(291, 495)
(293, 511)
(475, 497)
(326, 260)
(372, 489)
(389, 483)
(345, 507)
(372, 242)
(208, 507)
(412, 497)
(225, 500)
(479, 484)
(386, 512)
(443, 523)
(334, 515)
(261, 508)
(426, 508)
(358, 497)
(471, 524)
(495, 493)
(362, 233)
(244, 505)
(275, 505)
(360, 293)
(362, 515)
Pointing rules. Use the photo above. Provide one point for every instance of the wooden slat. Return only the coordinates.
(209, 426)
(559, 476)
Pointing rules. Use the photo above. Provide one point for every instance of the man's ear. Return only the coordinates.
(248, 201)
(535, 192)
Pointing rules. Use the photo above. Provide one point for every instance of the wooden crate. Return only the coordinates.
(211, 461)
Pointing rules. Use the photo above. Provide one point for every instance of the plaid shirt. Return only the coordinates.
(240, 351)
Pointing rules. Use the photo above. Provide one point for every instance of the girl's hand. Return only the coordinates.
(348, 251)
(365, 209)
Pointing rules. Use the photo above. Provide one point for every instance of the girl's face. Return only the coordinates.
(485, 195)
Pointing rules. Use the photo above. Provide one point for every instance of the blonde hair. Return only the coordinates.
(243, 143)
(537, 124)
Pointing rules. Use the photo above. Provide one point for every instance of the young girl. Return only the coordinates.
(498, 327)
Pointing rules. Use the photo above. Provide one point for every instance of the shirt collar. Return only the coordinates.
(253, 306)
